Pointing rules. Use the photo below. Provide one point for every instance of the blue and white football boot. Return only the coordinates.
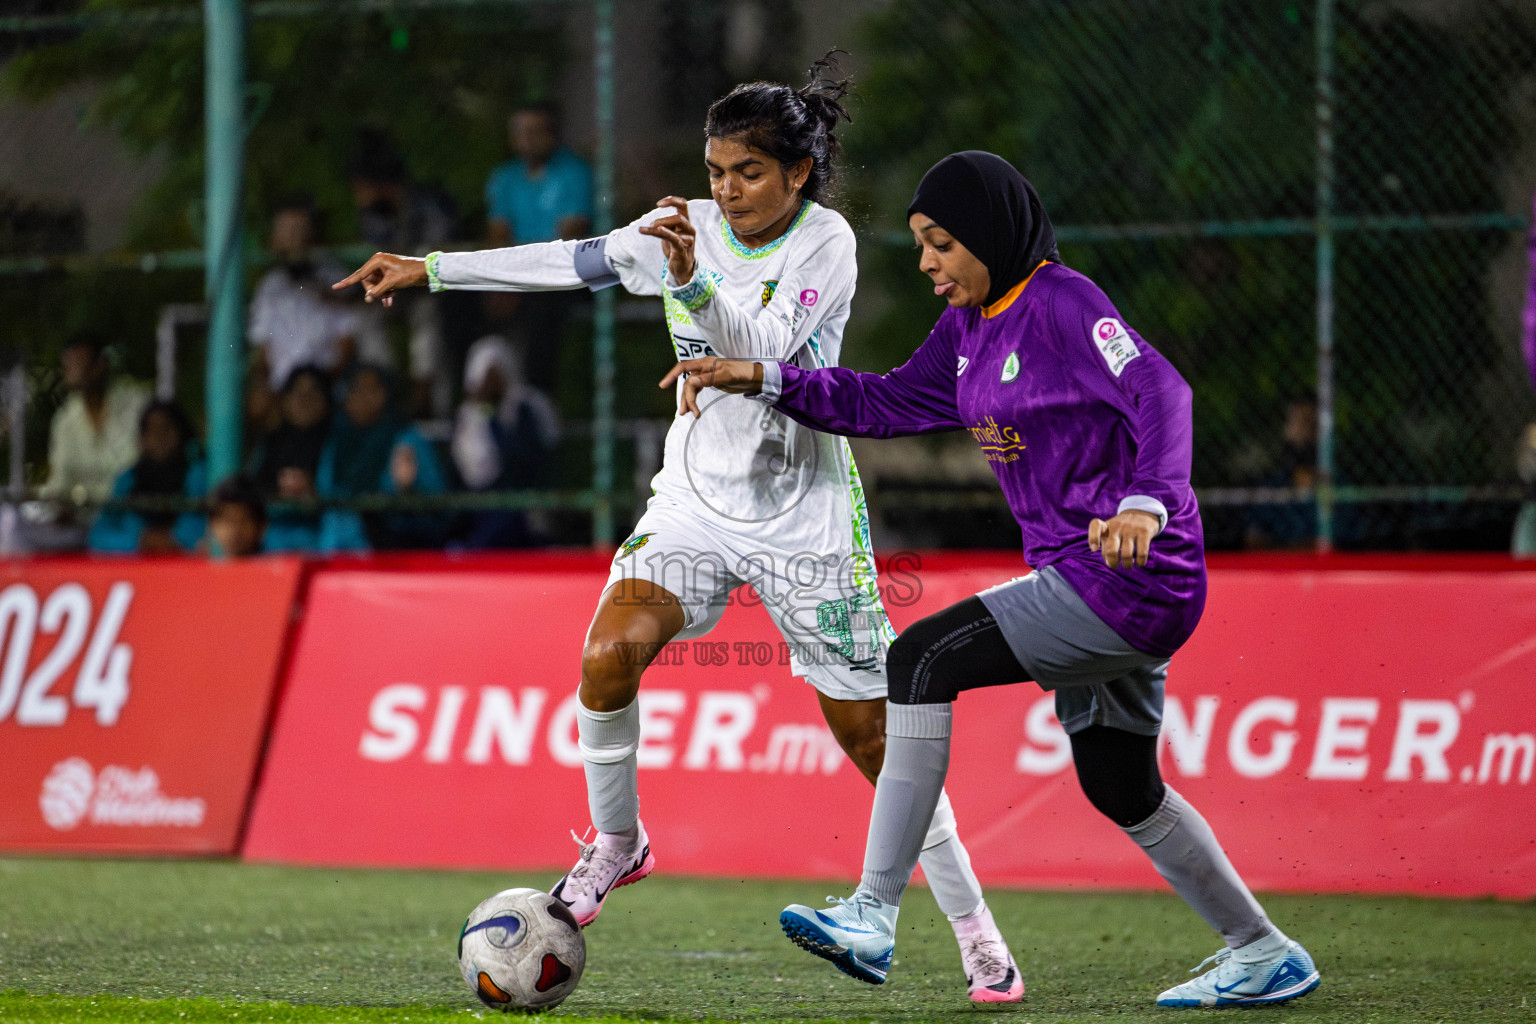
(858, 934)
(1287, 975)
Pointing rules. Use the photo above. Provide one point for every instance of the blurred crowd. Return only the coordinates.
(357, 416)
(345, 401)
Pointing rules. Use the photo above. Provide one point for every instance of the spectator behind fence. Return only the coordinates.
(95, 433)
(169, 467)
(287, 462)
(503, 439)
(396, 216)
(543, 195)
(1291, 524)
(295, 318)
(237, 518)
(1523, 542)
(373, 450)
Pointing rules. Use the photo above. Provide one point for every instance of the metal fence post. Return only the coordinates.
(603, 311)
(224, 91)
(1325, 276)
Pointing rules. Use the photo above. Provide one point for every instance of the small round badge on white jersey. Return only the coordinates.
(1114, 343)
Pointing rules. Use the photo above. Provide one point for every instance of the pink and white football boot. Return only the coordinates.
(606, 863)
(992, 975)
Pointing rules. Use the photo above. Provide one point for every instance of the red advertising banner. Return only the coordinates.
(133, 700)
(1342, 728)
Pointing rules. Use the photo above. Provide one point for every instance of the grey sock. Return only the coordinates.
(947, 864)
(1185, 852)
(916, 761)
(609, 740)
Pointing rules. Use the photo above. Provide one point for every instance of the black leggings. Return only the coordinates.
(963, 648)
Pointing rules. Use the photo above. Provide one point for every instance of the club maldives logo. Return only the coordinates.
(74, 793)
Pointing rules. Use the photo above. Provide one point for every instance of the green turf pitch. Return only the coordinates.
(85, 941)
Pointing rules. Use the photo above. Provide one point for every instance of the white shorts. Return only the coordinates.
(827, 606)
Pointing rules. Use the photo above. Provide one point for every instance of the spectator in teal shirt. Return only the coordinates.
(546, 193)
(168, 467)
(543, 195)
(372, 450)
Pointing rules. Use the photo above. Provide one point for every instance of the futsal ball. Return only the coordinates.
(522, 950)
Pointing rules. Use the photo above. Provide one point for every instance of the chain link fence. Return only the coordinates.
(1316, 210)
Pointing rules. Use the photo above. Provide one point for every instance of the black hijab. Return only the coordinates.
(993, 211)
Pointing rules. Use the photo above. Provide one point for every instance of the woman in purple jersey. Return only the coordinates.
(1089, 431)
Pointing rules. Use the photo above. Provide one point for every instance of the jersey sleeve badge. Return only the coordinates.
(1114, 343)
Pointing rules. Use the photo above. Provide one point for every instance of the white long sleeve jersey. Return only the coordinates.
(743, 465)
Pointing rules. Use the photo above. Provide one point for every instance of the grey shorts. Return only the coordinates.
(1099, 679)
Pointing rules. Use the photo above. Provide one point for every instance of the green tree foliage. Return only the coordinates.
(441, 84)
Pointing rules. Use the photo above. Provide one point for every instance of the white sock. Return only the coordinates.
(916, 761)
(1265, 947)
(608, 741)
(1185, 852)
(947, 865)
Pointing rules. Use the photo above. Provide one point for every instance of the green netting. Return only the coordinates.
(1316, 210)
(1246, 181)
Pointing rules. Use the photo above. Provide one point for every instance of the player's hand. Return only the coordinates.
(385, 274)
(677, 237)
(1124, 539)
(738, 376)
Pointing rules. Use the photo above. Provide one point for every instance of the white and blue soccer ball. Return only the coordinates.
(522, 950)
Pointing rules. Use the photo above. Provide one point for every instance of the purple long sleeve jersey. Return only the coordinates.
(1080, 419)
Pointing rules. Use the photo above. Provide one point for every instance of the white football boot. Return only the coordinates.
(858, 934)
(990, 972)
(606, 863)
(1286, 975)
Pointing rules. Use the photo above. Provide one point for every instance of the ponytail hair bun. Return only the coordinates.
(790, 124)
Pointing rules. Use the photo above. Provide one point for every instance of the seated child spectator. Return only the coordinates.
(287, 461)
(373, 450)
(237, 519)
(168, 467)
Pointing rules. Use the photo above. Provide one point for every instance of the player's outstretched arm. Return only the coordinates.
(384, 274)
(915, 398)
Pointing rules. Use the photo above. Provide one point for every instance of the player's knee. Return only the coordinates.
(866, 750)
(1118, 773)
(914, 674)
(1123, 804)
(610, 672)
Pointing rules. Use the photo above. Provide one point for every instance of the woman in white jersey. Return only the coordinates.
(745, 495)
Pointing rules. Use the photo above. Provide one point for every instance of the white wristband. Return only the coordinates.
(773, 383)
(1143, 503)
